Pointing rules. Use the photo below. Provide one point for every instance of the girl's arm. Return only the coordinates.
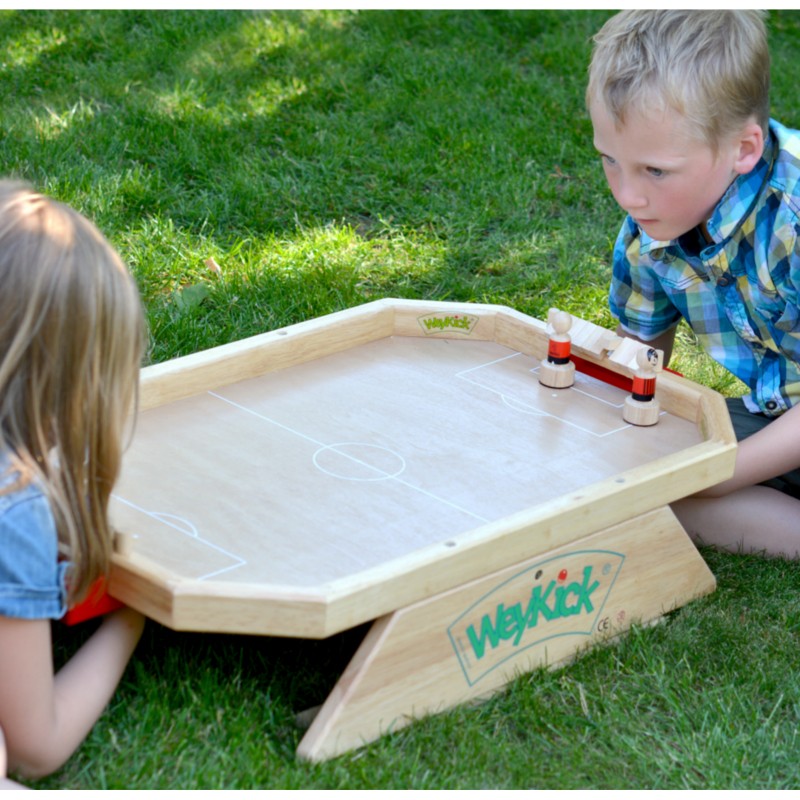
(5, 783)
(45, 717)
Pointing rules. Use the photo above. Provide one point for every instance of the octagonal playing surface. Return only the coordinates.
(320, 471)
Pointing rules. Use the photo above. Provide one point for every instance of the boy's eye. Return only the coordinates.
(608, 159)
(656, 172)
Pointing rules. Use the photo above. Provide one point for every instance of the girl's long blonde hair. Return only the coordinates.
(71, 341)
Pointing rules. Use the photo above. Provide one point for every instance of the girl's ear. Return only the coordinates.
(750, 147)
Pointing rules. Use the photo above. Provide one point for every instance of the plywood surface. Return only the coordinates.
(326, 469)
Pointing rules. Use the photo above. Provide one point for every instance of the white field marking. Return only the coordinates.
(295, 432)
(588, 380)
(533, 410)
(515, 404)
(268, 419)
(161, 517)
(321, 444)
(336, 448)
(487, 364)
(442, 500)
(191, 531)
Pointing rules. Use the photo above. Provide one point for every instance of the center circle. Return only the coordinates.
(356, 461)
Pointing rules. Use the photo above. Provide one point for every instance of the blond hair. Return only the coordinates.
(712, 67)
(71, 341)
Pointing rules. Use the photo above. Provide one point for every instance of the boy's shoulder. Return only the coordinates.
(785, 175)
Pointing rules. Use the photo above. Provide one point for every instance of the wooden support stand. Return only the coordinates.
(471, 641)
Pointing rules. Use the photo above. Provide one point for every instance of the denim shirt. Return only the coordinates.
(740, 294)
(32, 580)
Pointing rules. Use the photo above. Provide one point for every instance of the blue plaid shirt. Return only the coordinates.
(740, 294)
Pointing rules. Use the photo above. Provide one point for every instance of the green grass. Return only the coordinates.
(326, 159)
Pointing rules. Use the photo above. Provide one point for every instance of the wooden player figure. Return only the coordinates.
(641, 407)
(558, 372)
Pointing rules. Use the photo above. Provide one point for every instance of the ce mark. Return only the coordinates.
(604, 625)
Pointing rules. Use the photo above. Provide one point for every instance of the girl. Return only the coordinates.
(71, 341)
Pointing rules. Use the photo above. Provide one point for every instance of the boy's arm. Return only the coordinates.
(664, 341)
(770, 452)
(774, 450)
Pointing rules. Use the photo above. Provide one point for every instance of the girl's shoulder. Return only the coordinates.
(14, 488)
(32, 580)
(23, 505)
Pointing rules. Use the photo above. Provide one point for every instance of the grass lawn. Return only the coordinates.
(325, 159)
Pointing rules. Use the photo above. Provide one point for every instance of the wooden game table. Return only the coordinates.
(399, 463)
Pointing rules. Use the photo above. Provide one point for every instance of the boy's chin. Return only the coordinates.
(659, 231)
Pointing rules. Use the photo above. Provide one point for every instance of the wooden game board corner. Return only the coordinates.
(145, 587)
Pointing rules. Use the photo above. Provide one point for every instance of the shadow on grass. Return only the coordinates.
(455, 138)
(255, 121)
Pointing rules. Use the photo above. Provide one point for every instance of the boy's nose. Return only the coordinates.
(629, 196)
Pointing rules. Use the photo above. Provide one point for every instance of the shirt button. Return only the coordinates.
(657, 254)
(723, 281)
(771, 405)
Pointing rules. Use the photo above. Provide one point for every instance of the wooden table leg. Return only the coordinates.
(471, 641)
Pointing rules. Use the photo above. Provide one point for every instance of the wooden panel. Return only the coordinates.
(267, 352)
(471, 641)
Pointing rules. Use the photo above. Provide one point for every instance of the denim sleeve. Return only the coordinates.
(32, 584)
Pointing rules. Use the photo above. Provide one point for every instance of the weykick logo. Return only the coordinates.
(562, 596)
(450, 323)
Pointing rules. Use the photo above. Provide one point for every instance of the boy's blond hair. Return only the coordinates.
(710, 66)
(71, 341)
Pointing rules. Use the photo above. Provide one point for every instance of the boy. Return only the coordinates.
(679, 101)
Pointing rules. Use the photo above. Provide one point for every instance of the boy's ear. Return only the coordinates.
(750, 147)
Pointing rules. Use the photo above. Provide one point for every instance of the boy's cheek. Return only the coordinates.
(610, 179)
(611, 185)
